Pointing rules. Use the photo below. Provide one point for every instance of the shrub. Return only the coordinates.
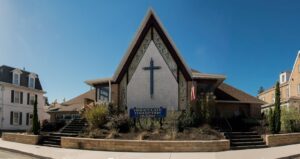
(121, 122)
(185, 120)
(290, 120)
(97, 116)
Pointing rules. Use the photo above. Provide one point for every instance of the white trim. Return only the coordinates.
(22, 87)
(298, 56)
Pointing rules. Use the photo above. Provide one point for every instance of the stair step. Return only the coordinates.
(51, 142)
(241, 133)
(247, 143)
(242, 136)
(246, 139)
(51, 145)
(248, 147)
(64, 134)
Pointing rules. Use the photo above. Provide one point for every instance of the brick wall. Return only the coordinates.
(145, 146)
(21, 138)
(282, 139)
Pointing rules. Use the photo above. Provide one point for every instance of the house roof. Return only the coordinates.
(76, 103)
(6, 76)
(241, 96)
(98, 81)
(151, 20)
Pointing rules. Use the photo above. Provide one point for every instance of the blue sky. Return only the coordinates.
(68, 42)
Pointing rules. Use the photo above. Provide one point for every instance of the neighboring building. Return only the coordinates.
(289, 88)
(153, 74)
(18, 91)
(70, 109)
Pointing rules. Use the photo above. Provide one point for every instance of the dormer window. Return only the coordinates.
(16, 78)
(16, 75)
(31, 80)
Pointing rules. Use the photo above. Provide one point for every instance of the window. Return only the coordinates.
(299, 68)
(15, 118)
(273, 98)
(287, 93)
(298, 89)
(31, 82)
(29, 118)
(282, 78)
(16, 78)
(16, 97)
(103, 93)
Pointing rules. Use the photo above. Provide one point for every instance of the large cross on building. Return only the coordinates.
(151, 68)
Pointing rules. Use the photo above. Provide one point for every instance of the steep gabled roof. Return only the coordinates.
(151, 20)
(6, 76)
(294, 66)
(239, 95)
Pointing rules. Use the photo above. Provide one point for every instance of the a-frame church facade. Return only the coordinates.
(153, 74)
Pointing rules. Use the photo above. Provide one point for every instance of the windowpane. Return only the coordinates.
(16, 118)
(17, 97)
(31, 82)
(16, 79)
(103, 93)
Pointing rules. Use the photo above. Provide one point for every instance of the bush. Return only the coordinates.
(185, 120)
(97, 116)
(121, 122)
(290, 120)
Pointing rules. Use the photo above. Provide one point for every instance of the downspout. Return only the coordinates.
(109, 94)
(2, 107)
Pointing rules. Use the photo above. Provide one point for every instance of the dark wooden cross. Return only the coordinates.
(151, 68)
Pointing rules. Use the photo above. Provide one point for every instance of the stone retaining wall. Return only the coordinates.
(282, 139)
(145, 145)
(21, 138)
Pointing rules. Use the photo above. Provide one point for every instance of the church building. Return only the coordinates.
(153, 74)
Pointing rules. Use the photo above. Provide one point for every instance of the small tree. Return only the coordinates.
(277, 111)
(271, 120)
(260, 90)
(35, 124)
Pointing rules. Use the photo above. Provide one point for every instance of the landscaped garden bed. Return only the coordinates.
(145, 145)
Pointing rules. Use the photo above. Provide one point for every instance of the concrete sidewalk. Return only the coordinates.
(60, 153)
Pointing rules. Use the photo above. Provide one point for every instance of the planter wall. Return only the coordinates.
(21, 138)
(145, 146)
(282, 139)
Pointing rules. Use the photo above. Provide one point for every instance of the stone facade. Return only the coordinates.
(145, 146)
(165, 53)
(115, 94)
(282, 139)
(22, 138)
(139, 55)
(182, 86)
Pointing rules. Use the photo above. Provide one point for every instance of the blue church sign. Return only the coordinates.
(148, 112)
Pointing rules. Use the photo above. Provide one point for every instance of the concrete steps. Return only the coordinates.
(245, 140)
(73, 129)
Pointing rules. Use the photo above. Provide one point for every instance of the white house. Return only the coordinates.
(18, 91)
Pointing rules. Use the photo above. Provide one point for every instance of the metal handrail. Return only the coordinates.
(228, 124)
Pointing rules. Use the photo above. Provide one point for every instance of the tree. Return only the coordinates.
(271, 120)
(277, 111)
(35, 124)
(260, 90)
